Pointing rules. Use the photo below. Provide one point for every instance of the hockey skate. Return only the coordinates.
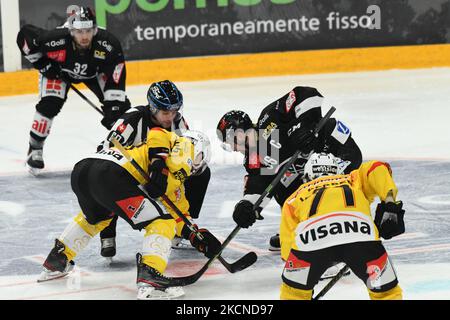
(35, 161)
(332, 271)
(56, 265)
(108, 248)
(152, 285)
(181, 243)
(274, 243)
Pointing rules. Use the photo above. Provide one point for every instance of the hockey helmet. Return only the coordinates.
(164, 95)
(202, 150)
(83, 18)
(321, 164)
(229, 123)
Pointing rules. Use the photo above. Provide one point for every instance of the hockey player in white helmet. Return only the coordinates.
(106, 184)
(164, 109)
(328, 220)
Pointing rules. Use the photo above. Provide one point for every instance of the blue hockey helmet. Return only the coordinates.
(164, 95)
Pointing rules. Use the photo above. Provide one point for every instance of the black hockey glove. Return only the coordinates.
(116, 134)
(244, 215)
(158, 179)
(112, 110)
(51, 70)
(303, 139)
(209, 246)
(389, 219)
(107, 143)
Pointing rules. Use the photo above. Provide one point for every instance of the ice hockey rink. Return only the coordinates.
(400, 116)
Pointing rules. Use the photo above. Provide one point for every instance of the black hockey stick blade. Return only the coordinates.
(241, 264)
(331, 284)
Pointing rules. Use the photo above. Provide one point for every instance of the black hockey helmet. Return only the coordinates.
(230, 122)
(164, 95)
(83, 18)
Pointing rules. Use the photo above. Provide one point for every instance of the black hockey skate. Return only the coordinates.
(274, 243)
(108, 247)
(35, 160)
(152, 284)
(56, 265)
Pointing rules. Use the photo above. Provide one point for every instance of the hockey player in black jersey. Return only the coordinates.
(79, 53)
(164, 109)
(284, 126)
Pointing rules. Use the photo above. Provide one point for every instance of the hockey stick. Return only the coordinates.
(332, 282)
(183, 281)
(244, 262)
(86, 99)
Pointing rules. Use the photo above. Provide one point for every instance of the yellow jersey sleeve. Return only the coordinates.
(376, 180)
(289, 222)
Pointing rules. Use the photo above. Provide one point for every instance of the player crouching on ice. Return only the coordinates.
(107, 185)
(328, 220)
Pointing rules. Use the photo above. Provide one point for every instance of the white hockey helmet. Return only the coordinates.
(202, 150)
(321, 164)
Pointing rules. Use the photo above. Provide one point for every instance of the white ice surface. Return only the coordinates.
(394, 114)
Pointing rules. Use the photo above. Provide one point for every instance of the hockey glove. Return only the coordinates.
(158, 179)
(116, 134)
(244, 215)
(389, 219)
(112, 110)
(303, 139)
(51, 70)
(209, 246)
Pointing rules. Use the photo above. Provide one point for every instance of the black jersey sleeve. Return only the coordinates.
(336, 138)
(36, 44)
(114, 67)
(130, 129)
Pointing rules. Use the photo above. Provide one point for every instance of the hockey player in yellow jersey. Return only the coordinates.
(106, 184)
(328, 220)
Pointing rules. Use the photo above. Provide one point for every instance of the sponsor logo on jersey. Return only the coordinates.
(269, 129)
(132, 206)
(109, 152)
(296, 270)
(118, 72)
(100, 54)
(342, 128)
(290, 101)
(293, 128)
(341, 132)
(59, 55)
(266, 116)
(376, 267)
(180, 175)
(293, 263)
(105, 44)
(339, 227)
(55, 43)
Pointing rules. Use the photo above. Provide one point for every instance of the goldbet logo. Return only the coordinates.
(103, 7)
